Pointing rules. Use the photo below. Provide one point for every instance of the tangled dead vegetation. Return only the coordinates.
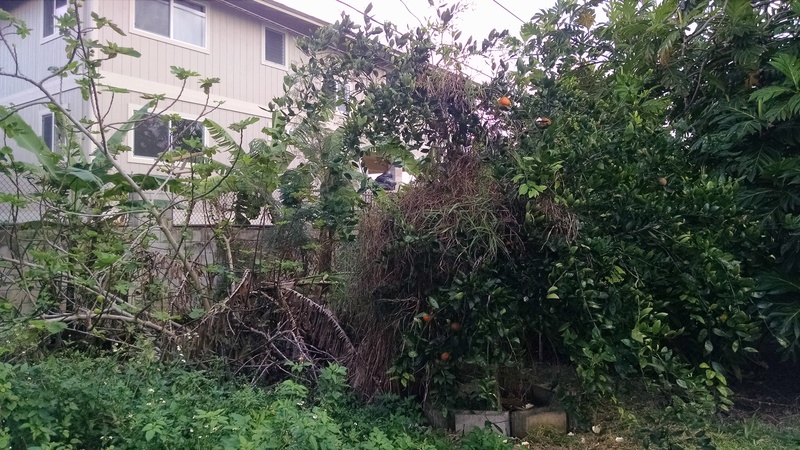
(559, 220)
(449, 90)
(453, 222)
(263, 325)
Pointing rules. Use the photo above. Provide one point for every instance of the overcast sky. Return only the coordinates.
(482, 15)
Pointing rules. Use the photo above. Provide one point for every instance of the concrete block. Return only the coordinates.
(467, 420)
(527, 421)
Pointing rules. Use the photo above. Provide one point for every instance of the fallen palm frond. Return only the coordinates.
(262, 326)
(325, 325)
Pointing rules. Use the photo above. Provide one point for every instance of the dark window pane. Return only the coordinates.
(190, 5)
(47, 131)
(150, 137)
(274, 43)
(48, 27)
(185, 130)
(52, 10)
(153, 16)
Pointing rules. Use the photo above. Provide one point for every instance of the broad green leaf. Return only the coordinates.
(55, 327)
(789, 65)
(18, 130)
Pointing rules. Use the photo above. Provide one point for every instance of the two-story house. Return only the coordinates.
(247, 44)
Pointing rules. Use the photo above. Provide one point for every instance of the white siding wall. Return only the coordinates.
(35, 53)
(233, 53)
(124, 105)
(33, 116)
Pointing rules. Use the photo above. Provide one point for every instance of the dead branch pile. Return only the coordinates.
(263, 325)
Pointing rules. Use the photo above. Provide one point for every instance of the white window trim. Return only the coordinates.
(138, 159)
(285, 65)
(55, 34)
(169, 40)
(53, 132)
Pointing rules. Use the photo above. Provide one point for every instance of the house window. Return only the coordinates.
(154, 136)
(274, 47)
(181, 20)
(49, 135)
(344, 93)
(53, 9)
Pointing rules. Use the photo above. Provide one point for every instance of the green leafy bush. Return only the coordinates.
(74, 401)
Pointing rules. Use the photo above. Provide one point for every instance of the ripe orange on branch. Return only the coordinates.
(504, 102)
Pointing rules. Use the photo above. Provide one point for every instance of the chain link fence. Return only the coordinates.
(18, 201)
(214, 211)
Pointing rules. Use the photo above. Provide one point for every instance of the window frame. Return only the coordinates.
(170, 39)
(53, 144)
(264, 59)
(142, 159)
(56, 11)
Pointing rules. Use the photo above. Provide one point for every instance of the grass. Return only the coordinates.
(146, 404)
(758, 432)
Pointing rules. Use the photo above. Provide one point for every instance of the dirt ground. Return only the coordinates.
(767, 403)
(772, 391)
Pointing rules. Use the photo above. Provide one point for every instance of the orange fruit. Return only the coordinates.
(504, 102)
(444, 356)
(426, 318)
(543, 122)
(662, 181)
(455, 326)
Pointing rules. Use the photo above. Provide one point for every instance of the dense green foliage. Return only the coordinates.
(66, 402)
(653, 284)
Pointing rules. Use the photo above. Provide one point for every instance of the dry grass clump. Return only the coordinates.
(452, 91)
(560, 220)
(453, 222)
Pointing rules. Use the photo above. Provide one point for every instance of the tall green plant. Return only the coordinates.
(647, 280)
(89, 262)
(729, 70)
